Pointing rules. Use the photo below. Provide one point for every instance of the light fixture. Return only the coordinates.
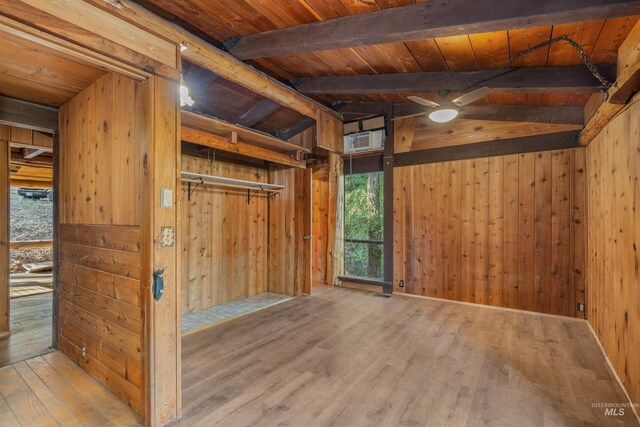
(185, 99)
(183, 47)
(443, 115)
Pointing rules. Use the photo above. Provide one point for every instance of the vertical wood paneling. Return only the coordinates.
(511, 226)
(328, 225)
(542, 219)
(613, 174)
(5, 236)
(103, 141)
(105, 192)
(226, 239)
(526, 235)
(503, 231)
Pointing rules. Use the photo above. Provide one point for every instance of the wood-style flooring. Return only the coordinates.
(31, 329)
(345, 357)
(51, 390)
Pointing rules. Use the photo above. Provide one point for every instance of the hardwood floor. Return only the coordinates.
(51, 390)
(30, 329)
(346, 357)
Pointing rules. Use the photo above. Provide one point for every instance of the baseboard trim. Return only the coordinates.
(615, 373)
(492, 307)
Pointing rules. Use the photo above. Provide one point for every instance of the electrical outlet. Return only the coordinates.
(581, 307)
(401, 284)
(84, 352)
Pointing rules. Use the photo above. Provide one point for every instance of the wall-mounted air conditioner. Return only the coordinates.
(364, 141)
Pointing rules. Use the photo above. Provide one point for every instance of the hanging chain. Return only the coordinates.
(506, 68)
(594, 70)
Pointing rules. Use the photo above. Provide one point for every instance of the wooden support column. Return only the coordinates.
(5, 170)
(335, 219)
(163, 318)
(387, 169)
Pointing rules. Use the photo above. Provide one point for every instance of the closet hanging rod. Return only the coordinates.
(230, 182)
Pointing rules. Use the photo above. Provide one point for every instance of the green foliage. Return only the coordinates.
(363, 206)
(364, 221)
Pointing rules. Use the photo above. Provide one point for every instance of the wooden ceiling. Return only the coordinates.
(220, 20)
(34, 73)
(220, 98)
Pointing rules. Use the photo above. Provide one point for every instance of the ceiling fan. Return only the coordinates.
(445, 111)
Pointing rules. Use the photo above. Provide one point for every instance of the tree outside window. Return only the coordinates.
(364, 225)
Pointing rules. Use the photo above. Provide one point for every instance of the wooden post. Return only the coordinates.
(5, 180)
(160, 253)
(387, 168)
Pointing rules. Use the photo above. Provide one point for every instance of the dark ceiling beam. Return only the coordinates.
(258, 113)
(525, 113)
(508, 113)
(503, 147)
(24, 114)
(296, 129)
(569, 79)
(423, 21)
(197, 79)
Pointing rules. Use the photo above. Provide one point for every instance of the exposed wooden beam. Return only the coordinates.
(507, 113)
(525, 113)
(258, 113)
(24, 114)
(529, 144)
(424, 21)
(30, 153)
(225, 129)
(220, 63)
(569, 79)
(17, 159)
(599, 111)
(294, 130)
(197, 79)
(15, 144)
(206, 139)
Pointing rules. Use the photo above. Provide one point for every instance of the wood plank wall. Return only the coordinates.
(320, 190)
(101, 303)
(5, 235)
(613, 166)
(327, 222)
(225, 240)
(286, 231)
(506, 231)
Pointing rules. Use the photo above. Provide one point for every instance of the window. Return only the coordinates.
(364, 225)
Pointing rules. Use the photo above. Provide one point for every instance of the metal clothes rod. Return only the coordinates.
(230, 182)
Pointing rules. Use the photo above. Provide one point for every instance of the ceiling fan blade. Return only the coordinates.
(423, 101)
(472, 96)
(408, 116)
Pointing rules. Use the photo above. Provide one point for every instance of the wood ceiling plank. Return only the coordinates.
(522, 39)
(614, 32)
(491, 50)
(26, 90)
(360, 6)
(457, 53)
(427, 54)
(326, 9)
(281, 14)
(29, 61)
(584, 33)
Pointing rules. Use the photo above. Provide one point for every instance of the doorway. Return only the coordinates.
(31, 225)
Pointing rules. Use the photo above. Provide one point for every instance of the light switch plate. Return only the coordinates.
(166, 197)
